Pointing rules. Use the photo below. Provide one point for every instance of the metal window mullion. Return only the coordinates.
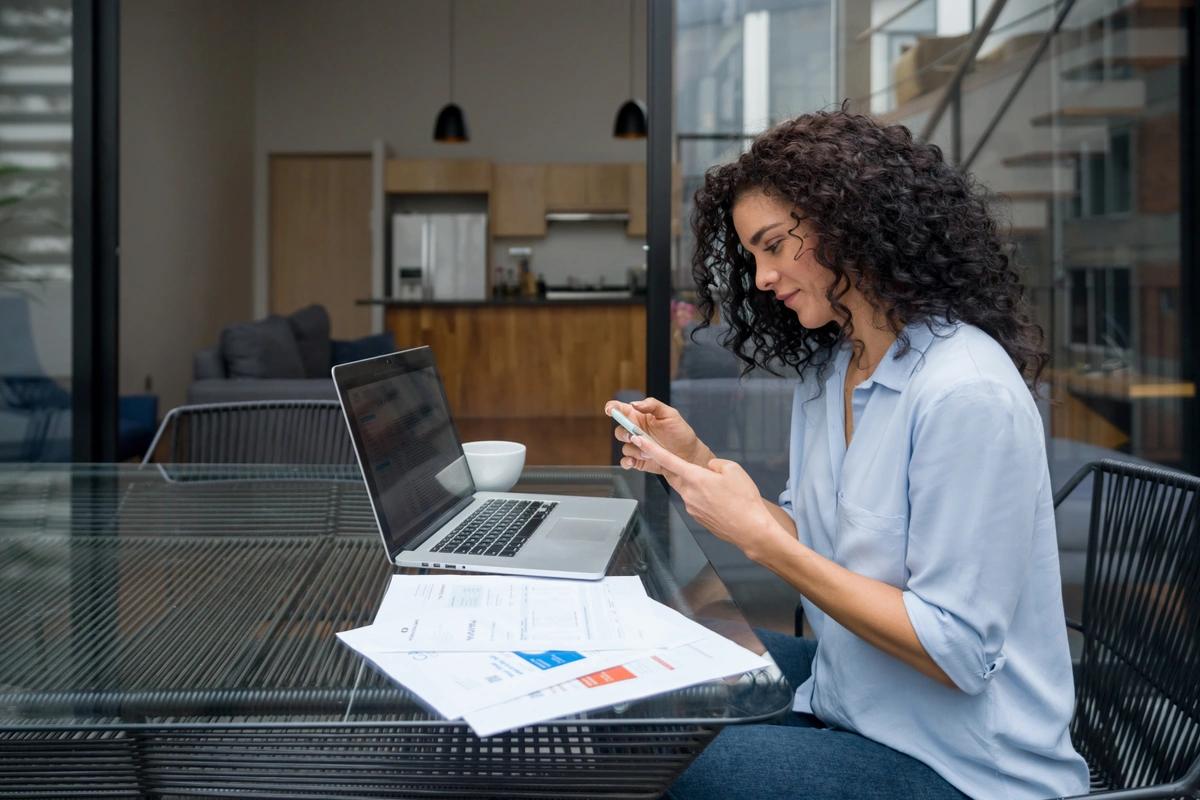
(660, 96)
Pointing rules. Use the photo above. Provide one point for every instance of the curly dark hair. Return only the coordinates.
(894, 220)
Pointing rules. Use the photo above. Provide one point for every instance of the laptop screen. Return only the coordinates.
(408, 447)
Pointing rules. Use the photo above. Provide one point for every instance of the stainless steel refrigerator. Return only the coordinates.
(439, 256)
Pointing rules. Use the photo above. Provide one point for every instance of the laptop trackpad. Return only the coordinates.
(582, 530)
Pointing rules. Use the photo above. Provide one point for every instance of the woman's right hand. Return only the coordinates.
(666, 426)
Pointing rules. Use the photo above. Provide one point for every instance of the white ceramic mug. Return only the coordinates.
(495, 466)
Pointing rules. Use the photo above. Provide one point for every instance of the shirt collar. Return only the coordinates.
(893, 372)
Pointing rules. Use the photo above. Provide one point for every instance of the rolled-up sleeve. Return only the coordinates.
(977, 464)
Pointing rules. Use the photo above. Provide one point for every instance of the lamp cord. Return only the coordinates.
(631, 95)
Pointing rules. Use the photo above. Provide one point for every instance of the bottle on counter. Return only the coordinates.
(497, 281)
(541, 285)
(528, 282)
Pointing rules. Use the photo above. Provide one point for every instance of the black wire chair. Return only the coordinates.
(293, 432)
(1137, 683)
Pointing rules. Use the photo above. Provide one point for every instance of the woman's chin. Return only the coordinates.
(810, 320)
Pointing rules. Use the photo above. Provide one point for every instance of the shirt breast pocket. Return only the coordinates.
(871, 544)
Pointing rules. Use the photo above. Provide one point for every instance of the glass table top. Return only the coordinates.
(196, 595)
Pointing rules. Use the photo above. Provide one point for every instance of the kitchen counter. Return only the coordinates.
(515, 357)
(583, 299)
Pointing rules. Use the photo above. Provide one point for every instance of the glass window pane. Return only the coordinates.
(1120, 173)
(1084, 161)
(35, 231)
(1100, 307)
(1121, 322)
(1096, 182)
(739, 67)
(1079, 307)
(1085, 158)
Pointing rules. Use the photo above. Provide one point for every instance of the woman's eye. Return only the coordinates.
(773, 248)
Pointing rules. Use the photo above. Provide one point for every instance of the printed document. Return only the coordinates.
(455, 683)
(504, 652)
(472, 613)
(708, 659)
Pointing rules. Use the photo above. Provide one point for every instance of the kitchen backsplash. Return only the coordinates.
(587, 252)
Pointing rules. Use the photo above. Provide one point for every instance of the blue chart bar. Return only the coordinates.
(550, 658)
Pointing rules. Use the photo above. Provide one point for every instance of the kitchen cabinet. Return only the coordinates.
(517, 203)
(587, 187)
(636, 227)
(438, 176)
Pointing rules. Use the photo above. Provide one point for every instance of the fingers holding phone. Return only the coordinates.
(632, 456)
(657, 421)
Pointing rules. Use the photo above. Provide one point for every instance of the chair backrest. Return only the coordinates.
(1137, 714)
(261, 432)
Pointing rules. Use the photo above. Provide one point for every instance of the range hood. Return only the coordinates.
(588, 216)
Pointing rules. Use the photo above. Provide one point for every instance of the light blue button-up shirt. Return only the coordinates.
(944, 492)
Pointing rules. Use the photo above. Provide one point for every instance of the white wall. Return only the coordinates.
(539, 81)
(187, 119)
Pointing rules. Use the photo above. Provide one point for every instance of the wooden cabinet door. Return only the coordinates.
(438, 176)
(587, 187)
(566, 187)
(320, 237)
(636, 227)
(518, 200)
(607, 187)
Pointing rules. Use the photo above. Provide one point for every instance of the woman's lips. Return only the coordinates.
(783, 298)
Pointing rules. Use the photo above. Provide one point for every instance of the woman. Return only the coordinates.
(917, 521)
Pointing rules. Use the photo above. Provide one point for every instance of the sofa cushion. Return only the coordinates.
(310, 326)
(207, 363)
(262, 349)
(704, 356)
(253, 389)
(366, 347)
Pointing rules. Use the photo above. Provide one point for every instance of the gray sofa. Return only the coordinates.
(277, 358)
(211, 383)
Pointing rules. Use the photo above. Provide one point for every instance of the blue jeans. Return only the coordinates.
(797, 757)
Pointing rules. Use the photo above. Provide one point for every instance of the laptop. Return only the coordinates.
(424, 499)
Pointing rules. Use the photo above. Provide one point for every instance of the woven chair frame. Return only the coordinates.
(301, 432)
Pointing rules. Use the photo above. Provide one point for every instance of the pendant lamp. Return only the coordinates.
(451, 124)
(631, 116)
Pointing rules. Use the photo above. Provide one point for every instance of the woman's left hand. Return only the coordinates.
(721, 497)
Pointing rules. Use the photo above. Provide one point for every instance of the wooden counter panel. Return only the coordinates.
(553, 361)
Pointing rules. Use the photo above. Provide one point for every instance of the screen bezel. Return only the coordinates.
(355, 374)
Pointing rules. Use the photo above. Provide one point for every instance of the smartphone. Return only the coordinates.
(628, 424)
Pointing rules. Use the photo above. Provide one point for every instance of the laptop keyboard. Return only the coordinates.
(496, 528)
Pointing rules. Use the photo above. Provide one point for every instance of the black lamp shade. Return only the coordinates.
(451, 125)
(631, 121)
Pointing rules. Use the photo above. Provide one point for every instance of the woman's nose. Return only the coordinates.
(764, 279)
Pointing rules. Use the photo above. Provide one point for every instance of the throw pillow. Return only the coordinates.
(311, 328)
(366, 347)
(263, 349)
